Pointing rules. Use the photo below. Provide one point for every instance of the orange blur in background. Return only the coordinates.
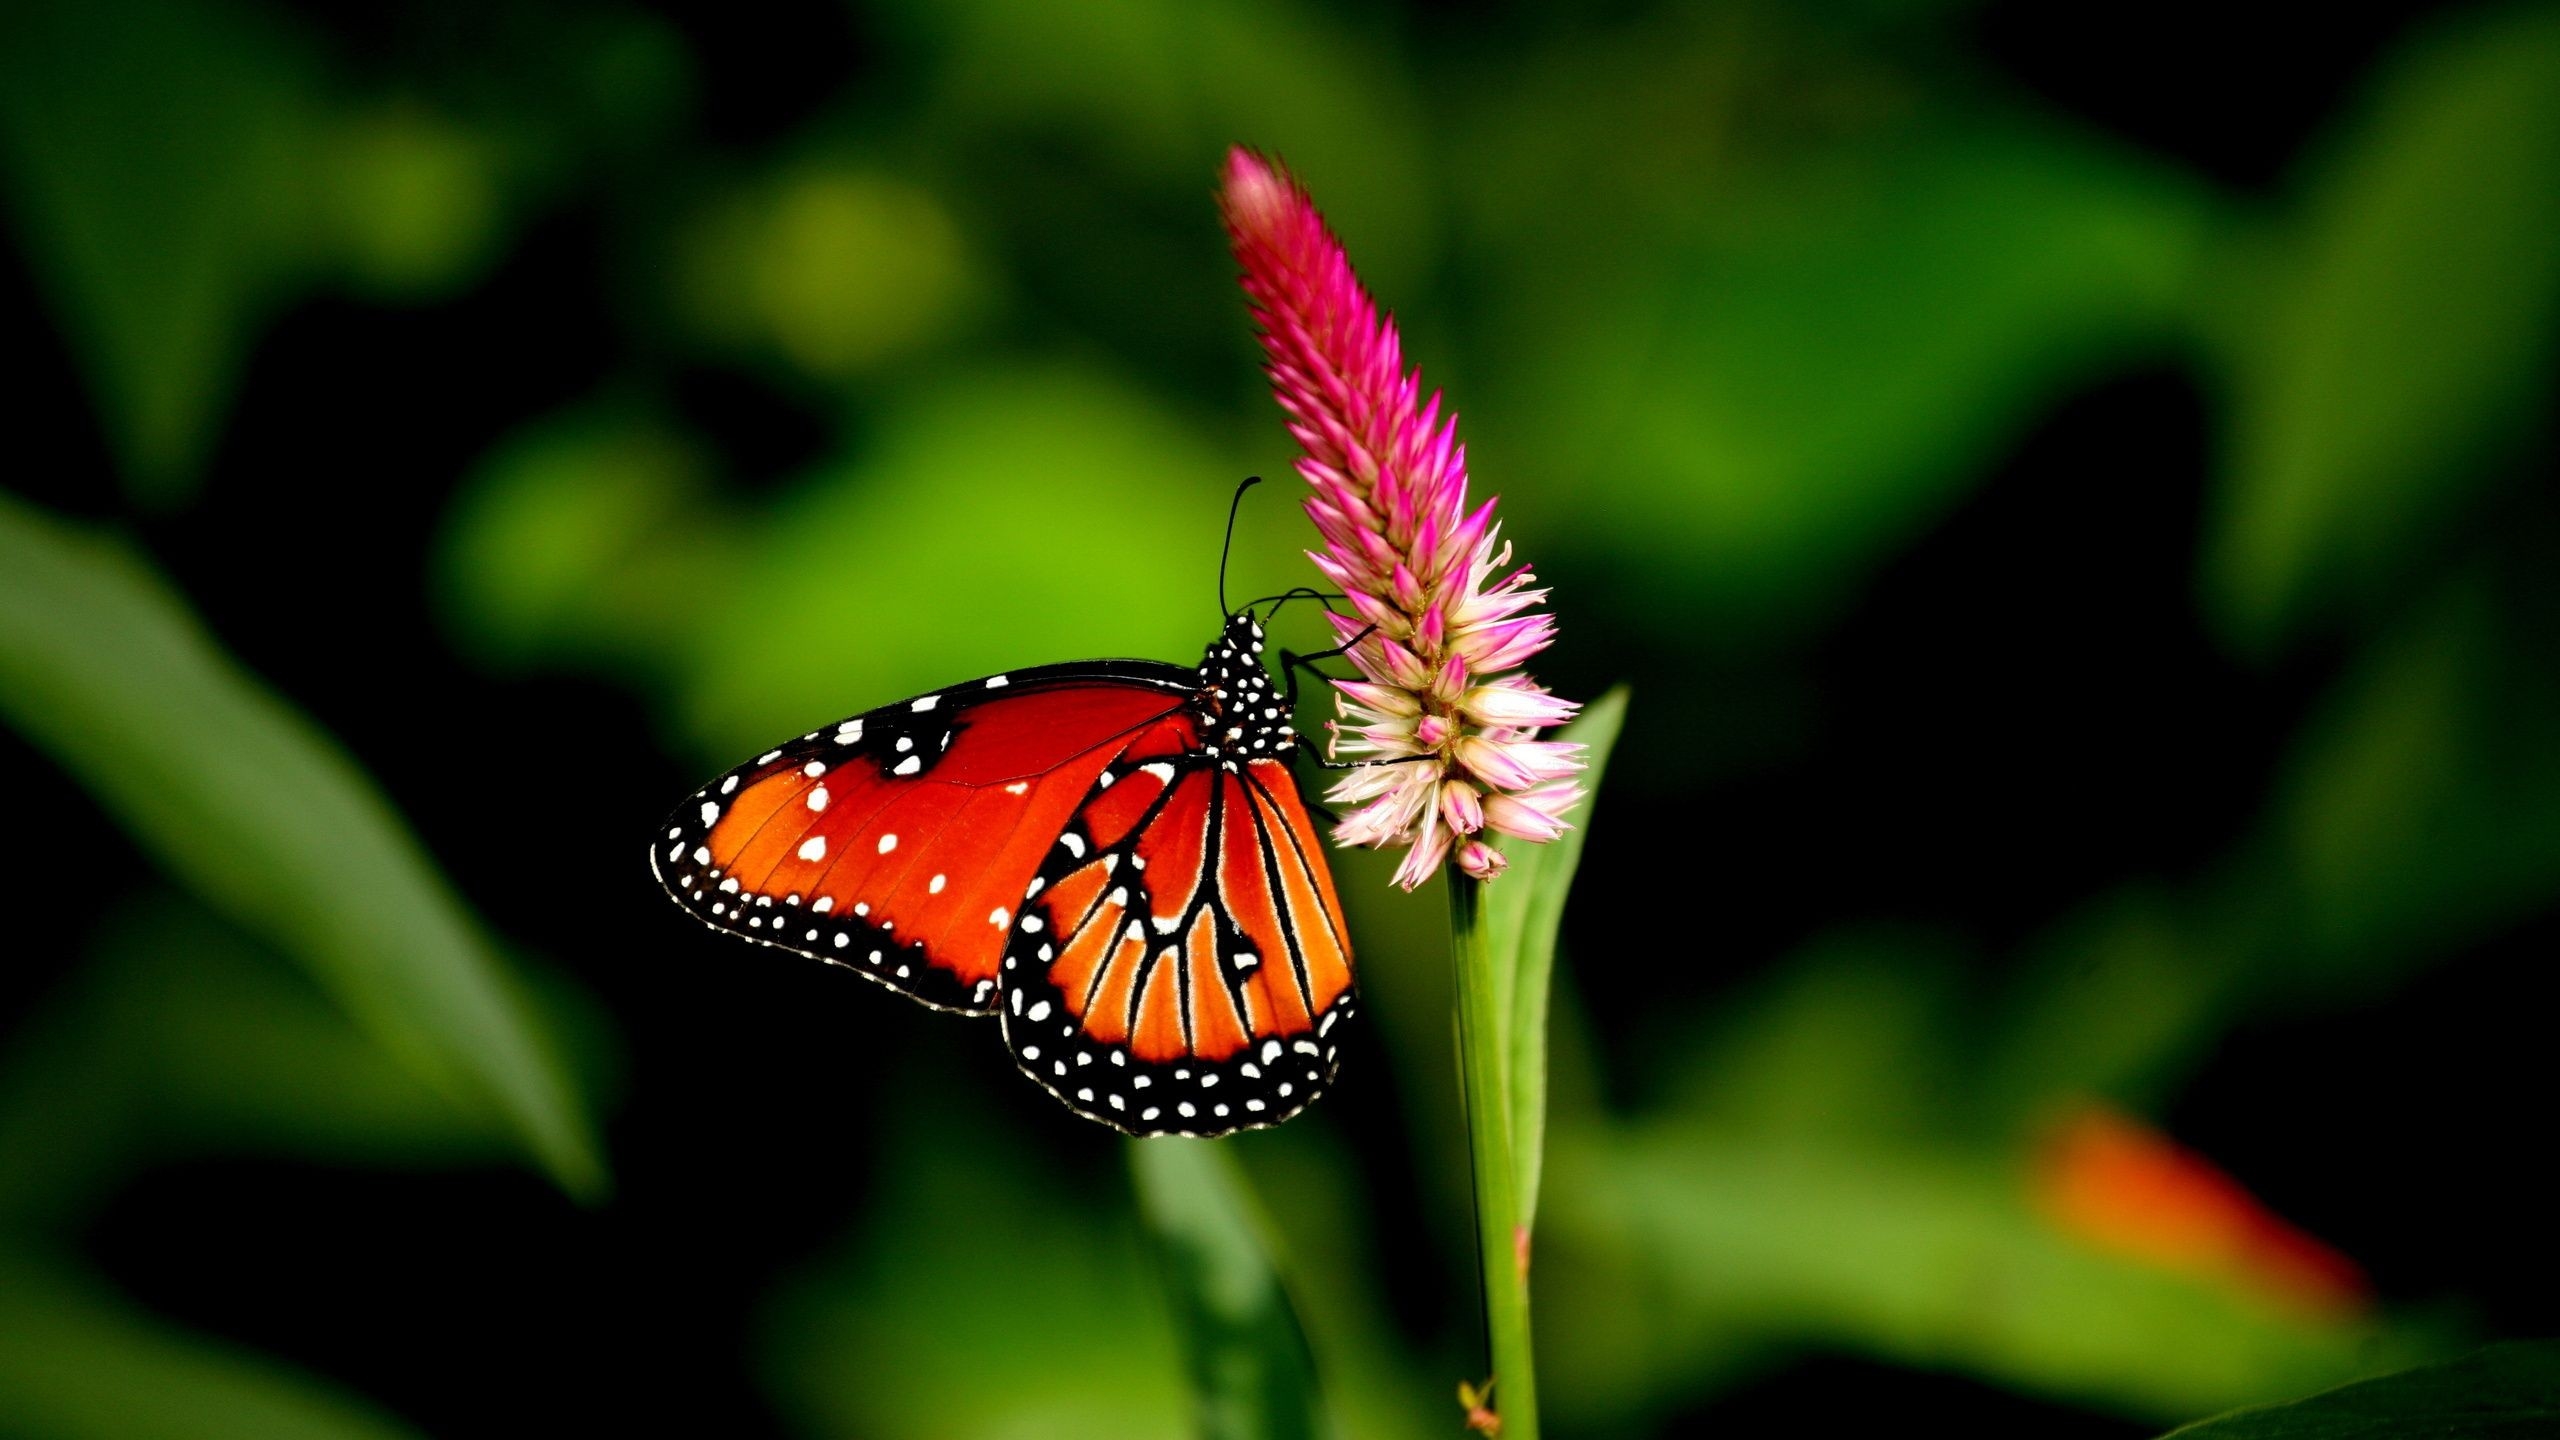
(2115, 1182)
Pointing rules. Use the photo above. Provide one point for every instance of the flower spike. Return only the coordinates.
(1442, 623)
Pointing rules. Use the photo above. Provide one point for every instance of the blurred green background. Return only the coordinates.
(2070, 488)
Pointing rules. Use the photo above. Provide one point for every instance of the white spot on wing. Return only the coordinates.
(927, 703)
(814, 848)
(888, 843)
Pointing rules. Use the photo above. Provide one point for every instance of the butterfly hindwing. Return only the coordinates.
(1179, 964)
(898, 842)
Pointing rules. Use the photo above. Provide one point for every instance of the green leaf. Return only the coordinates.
(1522, 912)
(1250, 1365)
(2506, 1392)
(2408, 326)
(2119, 999)
(2421, 804)
(254, 808)
(1789, 386)
(78, 1364)
(1502, 942)
(1853, 1039)
(158, 158)
(2416, 811)
(181, 1036)
(1680, 1247)
(990, 1295)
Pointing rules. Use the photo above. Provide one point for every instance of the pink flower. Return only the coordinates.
(1442, 622)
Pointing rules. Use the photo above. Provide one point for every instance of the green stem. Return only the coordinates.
(1484, 1055)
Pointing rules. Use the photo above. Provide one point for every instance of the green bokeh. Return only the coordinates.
(815, 395)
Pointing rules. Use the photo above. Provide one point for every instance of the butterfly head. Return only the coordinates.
(1247, 717)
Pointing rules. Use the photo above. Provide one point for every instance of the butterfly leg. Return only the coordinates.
(1291, 662)
(1369, 764)
(1324, 598)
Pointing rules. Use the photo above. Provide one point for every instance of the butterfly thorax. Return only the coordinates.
(1241, 715)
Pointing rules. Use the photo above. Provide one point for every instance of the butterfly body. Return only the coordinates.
(1110, 855)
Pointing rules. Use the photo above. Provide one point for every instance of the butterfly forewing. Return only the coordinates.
(1178, 965)
(899, 842)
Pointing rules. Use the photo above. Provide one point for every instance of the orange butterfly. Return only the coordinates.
(1109, 855)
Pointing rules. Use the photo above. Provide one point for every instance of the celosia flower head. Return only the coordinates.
(1443, 621)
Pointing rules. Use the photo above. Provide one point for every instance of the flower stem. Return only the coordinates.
(1501, 1251)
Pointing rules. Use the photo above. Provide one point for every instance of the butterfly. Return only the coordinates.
(1110, 856)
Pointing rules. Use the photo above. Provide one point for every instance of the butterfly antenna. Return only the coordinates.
(1229, 544)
